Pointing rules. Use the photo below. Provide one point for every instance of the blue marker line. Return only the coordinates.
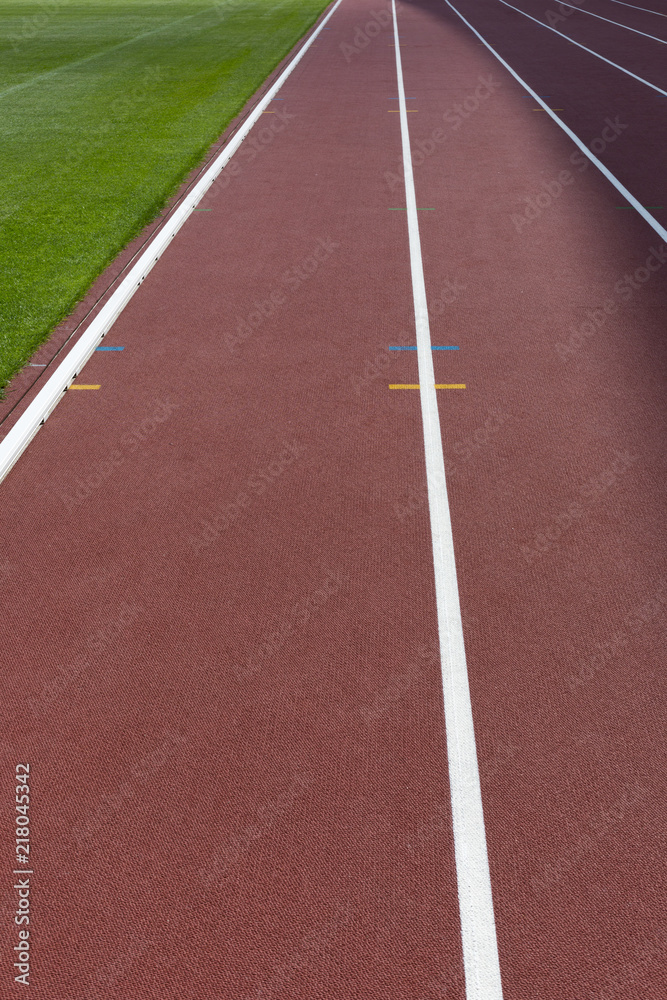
(109, 348)
(432, 348)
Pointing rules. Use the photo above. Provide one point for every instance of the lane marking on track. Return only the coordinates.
(619, 25)
(410, 348)
(527, 97)
(109, 348)
(36, 366)
(550, 109)
(634, 7)
(456, 385)
(202, 210)
(28, 424)
(478, 930)
(621, 188)
(396, 111)
(418, 210)
(628, 208)
(572, 42)
(84, 387)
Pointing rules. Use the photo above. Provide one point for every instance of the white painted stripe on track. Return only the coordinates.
(28, 424)
(621, 188)
(580, 46)
(478, 929)
(618, 24)
(634, 7)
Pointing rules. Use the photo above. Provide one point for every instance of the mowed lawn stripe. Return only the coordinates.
(135, 95)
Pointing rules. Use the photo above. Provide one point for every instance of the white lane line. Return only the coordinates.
(621, 188)
(25, 428)
(580, 46)
(478, 929)
(618, 24)
(634, 7)
(101, 53)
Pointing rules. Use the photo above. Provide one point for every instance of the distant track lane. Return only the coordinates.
(634, 7)
(619, 25)
(567, 38)
(621, 188)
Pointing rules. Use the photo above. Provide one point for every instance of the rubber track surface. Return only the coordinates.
(219, 634)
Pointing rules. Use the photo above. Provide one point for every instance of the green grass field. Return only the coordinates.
(104, 108)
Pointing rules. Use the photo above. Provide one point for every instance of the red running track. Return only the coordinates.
(219, 639)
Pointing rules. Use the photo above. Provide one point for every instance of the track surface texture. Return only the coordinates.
(220, 641)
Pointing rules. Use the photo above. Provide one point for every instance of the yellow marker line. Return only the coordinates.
(456, 385)
(85, 387)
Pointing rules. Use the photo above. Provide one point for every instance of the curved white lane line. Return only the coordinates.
(478, 929)
(634, 7)
(580, 46)
(618, 24)
(621, 188)
(25, 428)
